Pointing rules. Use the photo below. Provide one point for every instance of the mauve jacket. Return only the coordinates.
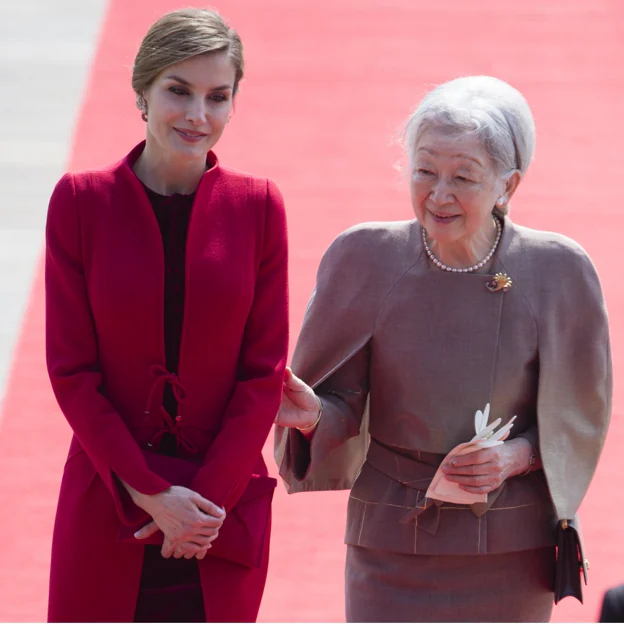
(106, 361)
(405, 352)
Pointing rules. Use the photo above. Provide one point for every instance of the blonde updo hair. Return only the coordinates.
(488, 107)
(178, 36)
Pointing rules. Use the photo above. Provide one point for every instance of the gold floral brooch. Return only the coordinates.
(501, 281)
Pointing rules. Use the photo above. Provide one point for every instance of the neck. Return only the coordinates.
(166, 175)
(465, 252)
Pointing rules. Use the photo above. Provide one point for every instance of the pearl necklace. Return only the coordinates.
(474, 267)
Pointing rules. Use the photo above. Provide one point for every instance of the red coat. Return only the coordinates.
(106, 360)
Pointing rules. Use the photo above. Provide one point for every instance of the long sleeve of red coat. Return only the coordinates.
(251, 411)
(72, 360)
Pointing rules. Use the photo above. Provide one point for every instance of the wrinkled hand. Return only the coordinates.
(487, 469)
(189, 521)
(300, 405)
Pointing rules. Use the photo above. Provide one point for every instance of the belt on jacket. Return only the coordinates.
(417, 472)
(171, 425)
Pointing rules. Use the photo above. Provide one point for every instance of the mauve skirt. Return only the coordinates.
(384, 586)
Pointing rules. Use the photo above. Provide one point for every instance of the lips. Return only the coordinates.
(190, 135)
(440, 217)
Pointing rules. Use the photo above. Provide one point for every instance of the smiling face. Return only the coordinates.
(188, 106)
(454, 186)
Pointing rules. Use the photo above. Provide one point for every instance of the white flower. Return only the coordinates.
(485, 435)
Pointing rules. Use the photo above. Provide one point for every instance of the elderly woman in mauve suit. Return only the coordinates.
(413, 327)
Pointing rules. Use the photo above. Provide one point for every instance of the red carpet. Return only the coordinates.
(327, 83)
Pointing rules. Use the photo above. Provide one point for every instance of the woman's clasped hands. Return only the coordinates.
(189, 522)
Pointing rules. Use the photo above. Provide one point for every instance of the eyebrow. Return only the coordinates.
(188, 84)
(434, 153)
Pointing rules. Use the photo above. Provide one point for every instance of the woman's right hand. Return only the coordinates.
(300, 407)
(189, 521)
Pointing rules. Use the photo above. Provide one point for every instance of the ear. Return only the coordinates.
(511, 184)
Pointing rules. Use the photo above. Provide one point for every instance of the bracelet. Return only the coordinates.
(316, 422)
(532, 460)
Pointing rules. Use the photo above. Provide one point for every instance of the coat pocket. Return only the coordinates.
(241, 538)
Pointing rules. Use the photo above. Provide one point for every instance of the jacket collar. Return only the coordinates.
(127, 163)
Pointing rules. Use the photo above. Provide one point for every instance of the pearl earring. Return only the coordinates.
(500, 201)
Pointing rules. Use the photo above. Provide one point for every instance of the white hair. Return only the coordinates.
(488, 107)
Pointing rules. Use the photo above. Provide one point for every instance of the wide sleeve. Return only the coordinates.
(73, 363)
(250, 413)
(332, 356)
(344, 395)
(575, 377)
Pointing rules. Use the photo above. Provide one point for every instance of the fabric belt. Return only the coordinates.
(416, 471)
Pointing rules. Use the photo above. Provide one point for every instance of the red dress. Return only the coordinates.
(108, 364)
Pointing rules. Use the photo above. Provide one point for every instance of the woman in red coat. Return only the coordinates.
(166, 291)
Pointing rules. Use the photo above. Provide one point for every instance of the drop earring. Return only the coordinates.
(142, 104)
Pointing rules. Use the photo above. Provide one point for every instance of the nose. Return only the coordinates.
(196, 113)
(441, 192)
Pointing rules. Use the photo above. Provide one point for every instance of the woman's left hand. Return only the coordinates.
(486, 470)
(190, 549)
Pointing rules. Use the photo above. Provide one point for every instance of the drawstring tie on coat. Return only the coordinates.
(172, 425)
